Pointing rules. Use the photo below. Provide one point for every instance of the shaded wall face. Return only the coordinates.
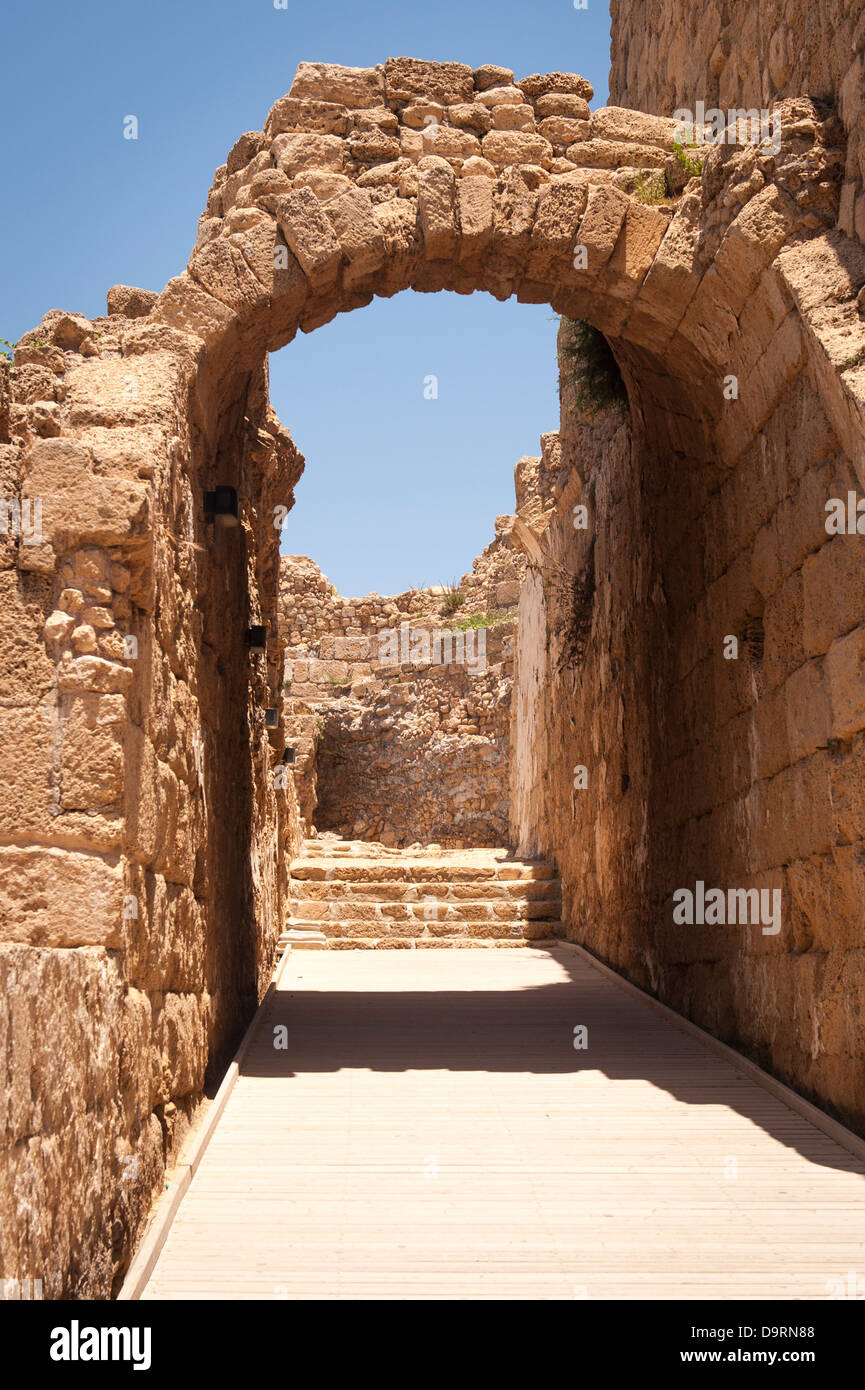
(744, 773)
(668, 55)
(140, 837)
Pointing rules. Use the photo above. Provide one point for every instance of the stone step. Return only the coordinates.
(396, 890)
(321, 910)
(376, 871)
(302, 939)
(347, 893)
(477, 929)
(426, 943)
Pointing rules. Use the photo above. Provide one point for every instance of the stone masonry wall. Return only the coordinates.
(142, 852)
(143, 781)
(667, 55)
(741, 773)
(391, 744)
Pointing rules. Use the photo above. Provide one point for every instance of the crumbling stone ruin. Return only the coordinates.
(148, 813)
(398, 709)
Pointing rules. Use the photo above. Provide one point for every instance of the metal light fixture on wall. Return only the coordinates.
(220, 506)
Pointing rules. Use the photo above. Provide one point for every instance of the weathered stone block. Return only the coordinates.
(845, 674)
(293, 153)
(406, 79)
(329, 82)
(57, 897)
(309, 235)
(361, 238)
(437, 209)
(502, 147)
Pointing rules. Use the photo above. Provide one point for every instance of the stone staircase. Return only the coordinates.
(351, 894)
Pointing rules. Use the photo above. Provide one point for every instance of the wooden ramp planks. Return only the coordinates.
(431, 1132)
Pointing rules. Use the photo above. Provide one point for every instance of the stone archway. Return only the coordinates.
(143, 797)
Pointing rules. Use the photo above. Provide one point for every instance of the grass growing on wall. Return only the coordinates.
(587, 365)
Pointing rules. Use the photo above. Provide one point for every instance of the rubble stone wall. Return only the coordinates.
(396, 741)
(668, 55)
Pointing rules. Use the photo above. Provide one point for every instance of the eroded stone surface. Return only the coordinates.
(133, 707)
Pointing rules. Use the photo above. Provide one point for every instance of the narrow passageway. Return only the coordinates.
(430, 1130)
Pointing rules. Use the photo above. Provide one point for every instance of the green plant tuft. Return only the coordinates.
(650, 186)
(491, 618)
(453, 599)
(693, 166)
(587, 364)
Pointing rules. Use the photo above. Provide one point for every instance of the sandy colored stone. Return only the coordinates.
(407, 79)
(516, 147)
(328, 82)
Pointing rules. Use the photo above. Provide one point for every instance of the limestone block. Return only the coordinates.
(57, 897)
(295, 152)
(520, 117)
(79, 506)
(92, 751)
(222, 270)
(470, 115)
(437, 209)
(845, 674)
(245, 148)
(751, 242)
(601, 224)
(309, 235)
(490, 75)
(398, 222)
(562, 104)
(406, 79)
(475, 203)
(130, 302)
(617, 123)
(808, 711)
(361, 238)
(540, 84)
(298, 113)
(609, 154)
(477, 165)
(28, 790)
(85, 673)
(514, 206)
(184, 305)
(635, 249)
(329, 82)
(26, 670)
(373, 147)
(180, 1038)
(501, 96)
(560, 207)
(563, 130)
(502, 147)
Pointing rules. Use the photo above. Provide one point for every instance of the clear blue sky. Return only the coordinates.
(399, 490)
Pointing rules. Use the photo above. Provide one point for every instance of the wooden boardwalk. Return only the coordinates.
(431, 1132)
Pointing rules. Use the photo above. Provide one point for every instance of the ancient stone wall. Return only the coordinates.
(142, 780)
(395, 740)
(644, 760)
(668, 55)
(141, 849)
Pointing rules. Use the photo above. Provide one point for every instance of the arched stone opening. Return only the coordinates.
(150, 793)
